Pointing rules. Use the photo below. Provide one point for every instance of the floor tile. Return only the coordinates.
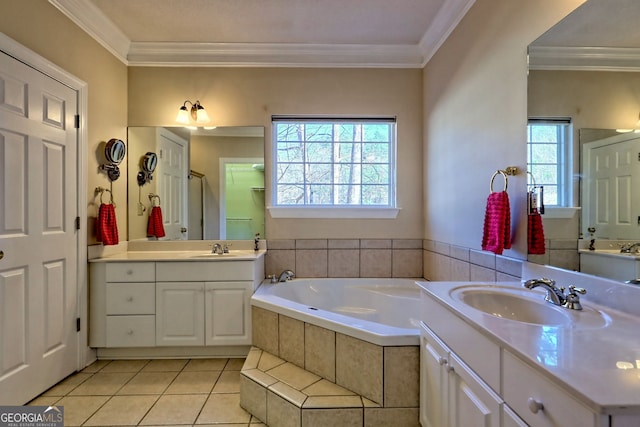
(193, 382)
(148, 383)
(291, 374)
(165, 365)
(205, 365)
(223, 408)
(122, 410)
(65, 386)
(102, 383)
(234, 365)
(175, 409)
(96, 366)
(77, 409)
(229, 382)
(124, 366)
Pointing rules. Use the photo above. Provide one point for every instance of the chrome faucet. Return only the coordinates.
(217, 249)
(554, 295)
(286, 275)
(630, 248)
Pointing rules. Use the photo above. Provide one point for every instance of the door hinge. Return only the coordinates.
(77, 121)
(77, 324)
(77, 223)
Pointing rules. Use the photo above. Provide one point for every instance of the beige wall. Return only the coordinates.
(250, 96)
(475, 112)
(42, 28)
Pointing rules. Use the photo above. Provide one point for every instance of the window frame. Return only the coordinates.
(564, 159)
(389, 210)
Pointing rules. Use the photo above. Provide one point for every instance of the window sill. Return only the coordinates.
(560, 213)
(333, 212)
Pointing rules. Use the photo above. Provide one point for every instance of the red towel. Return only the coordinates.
(535, 234)
(155, 228)
(497, 223)
(106, 225)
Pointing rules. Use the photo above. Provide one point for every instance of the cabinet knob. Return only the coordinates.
(129, 298)
(130, 332)
(449, 368)
(442, 361)
(129, 272)
(534, 405)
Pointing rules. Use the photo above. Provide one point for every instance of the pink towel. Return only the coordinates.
(497, 223)
(155, 228)
(535, 234)
(106, 225)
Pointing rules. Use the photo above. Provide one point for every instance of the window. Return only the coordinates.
(548, 145)
(334, 163)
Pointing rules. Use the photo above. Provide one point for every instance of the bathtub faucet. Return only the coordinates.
(286, 275)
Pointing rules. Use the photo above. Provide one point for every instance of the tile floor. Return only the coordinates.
(161, 392)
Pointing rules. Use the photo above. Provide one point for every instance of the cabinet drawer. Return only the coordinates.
(130, 272)
(522, 383)
(131, 331)
(131, 298)
(205, 271)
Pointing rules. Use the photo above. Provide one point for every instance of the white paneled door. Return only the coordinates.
(38, 239)
(172, 183)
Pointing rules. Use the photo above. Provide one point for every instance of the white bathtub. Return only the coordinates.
(381, 311)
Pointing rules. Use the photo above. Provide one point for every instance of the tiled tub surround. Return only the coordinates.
(346, 257)
(385, 377)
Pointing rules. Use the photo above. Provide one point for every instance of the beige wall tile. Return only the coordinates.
(391, 417)
(481, 274)
(311, 244)
(281, 244)
(401, 376)
(269, 361)
(291, 340)
(253, 398)
(406, 244)
(460, 270)
(344, 244)
(253, 357)
(406, 263)
(332, 417)
(375, 263)
(327, 388)
(359, 367)
(265, 329)
(326, 402)
(281, 413)
(375, 244)
(311, 263)
(276, 261)
(344, 262)
(320, 351)
(294, 376)
(288, 393)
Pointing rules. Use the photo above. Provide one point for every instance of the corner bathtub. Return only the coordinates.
(384, 312)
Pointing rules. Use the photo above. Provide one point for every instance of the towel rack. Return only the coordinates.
(152, 197)
(493, 177)
(101, 190)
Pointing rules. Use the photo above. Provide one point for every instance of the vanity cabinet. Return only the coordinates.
(172, 303)
(451, 393)
(203, 313)
(468, 380)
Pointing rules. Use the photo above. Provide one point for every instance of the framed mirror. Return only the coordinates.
(210, 181)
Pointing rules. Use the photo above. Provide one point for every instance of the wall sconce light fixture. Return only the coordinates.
(197, 113)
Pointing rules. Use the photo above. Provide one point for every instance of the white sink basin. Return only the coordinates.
(525, 306)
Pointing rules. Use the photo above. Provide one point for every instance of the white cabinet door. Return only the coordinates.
(471, 401)
(510, 418)
(433, 380)
(179, 313)
(227, 311)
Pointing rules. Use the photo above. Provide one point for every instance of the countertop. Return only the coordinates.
(599, 364)
(195, 256)
(615, 253)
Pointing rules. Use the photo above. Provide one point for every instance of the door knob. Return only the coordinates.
(1, 254)
(183, 229)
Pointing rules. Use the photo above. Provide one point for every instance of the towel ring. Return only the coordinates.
(101, 191)
(504, 175)
(152, 197)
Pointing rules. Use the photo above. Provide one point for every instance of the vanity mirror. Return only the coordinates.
(209, 182)
(586, 68)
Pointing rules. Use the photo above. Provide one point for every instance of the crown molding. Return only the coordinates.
(584, 58)
(274, 55)
(91, 19)
(446, 20)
